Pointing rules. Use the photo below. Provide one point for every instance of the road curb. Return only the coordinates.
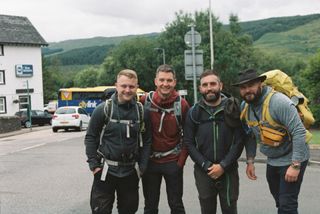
(23, 131)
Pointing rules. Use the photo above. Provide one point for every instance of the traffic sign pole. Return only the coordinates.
(194, 66)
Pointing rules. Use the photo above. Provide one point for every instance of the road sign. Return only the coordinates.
(188, 63)
(188, 38)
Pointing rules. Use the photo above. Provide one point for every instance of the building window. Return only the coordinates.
(3, 108)
(2, 78)
(24, 101)
(1, 50)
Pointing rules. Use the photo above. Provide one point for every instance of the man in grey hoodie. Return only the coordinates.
(287, 156)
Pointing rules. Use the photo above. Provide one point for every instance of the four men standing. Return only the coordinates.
(117, 139)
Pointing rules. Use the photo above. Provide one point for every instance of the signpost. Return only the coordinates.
(193, 59)
(29, 106)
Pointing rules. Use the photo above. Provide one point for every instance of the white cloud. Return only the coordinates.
(58, 20)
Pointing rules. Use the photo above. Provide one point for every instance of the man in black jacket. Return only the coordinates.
(114, 147)
(214, 138)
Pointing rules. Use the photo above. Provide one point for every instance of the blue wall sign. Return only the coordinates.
(24, 70)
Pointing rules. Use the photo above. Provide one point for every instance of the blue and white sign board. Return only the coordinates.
(24, 70)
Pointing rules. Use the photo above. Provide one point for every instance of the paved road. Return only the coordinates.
(45, 172)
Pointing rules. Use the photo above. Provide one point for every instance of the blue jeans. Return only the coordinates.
(151, 180)
(284, 193)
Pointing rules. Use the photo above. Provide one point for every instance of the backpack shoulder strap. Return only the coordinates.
(148, 100)
(244, 115)
(108, 110)
(266, 116)
(194, 111)
(140, 111)
(177, 110)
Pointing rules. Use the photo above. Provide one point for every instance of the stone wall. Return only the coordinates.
(9, 124)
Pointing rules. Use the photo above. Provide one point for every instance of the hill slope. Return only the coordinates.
(259, 28)
(301, 41)
(68, 45)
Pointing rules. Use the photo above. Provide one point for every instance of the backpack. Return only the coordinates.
(231, 112)
(176, 109)
(281, 82)
(108, 112)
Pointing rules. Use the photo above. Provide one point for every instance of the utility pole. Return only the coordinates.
(163, 54)
(211, 37)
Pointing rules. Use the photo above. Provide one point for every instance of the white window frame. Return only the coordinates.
(2, 77)
(3, 107)
(1, 50)
(23, 102)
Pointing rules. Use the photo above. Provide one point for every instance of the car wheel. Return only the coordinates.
(66, 129)
(27, 124)
(54, 129)
(80, 127)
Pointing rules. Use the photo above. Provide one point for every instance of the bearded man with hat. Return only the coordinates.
(283, 144)
(215, 139)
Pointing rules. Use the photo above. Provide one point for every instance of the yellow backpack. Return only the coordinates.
(281, 82)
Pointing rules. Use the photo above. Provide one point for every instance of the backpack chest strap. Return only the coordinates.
(128, 123)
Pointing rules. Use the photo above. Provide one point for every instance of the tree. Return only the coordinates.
(51, 81)
(312, 79)
(137, 54)
(87, 78)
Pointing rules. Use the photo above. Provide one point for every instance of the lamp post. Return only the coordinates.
(211, 37)
(163, 54)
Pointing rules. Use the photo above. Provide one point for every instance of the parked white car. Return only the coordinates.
(70, 117)
(51, 107)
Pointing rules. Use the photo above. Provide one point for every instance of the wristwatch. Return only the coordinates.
(295, 165)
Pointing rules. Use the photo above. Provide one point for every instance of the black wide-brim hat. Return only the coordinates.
(248, 76)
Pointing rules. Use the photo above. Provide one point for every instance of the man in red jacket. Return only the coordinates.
(167, 112)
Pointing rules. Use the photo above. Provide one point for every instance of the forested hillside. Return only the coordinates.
(302, 41)
(93, 55)
(259, 28)
(296, 35)
(68, 45)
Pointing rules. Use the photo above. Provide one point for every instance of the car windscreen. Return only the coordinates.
(66, 111)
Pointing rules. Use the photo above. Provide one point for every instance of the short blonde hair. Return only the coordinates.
(131, 74)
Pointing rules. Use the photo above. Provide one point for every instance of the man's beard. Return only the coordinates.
(256, 97)
(212, 97)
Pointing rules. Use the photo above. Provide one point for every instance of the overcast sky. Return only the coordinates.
(58, 20)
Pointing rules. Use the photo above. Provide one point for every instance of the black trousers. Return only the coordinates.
(226, 187)
(103, 194)
(151, 181)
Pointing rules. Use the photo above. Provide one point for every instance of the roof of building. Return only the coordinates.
(19, 30)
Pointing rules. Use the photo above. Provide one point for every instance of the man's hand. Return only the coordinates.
(215, 171)
(96, 170)
(292, 174)
(251, 171)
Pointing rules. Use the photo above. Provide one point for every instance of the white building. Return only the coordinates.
(20, 65)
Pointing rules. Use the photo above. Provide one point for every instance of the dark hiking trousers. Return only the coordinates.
(103, 194)
(151, 181)
(284, 193)
(226, 187)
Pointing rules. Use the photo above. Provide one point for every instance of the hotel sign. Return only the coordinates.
(24, 70)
